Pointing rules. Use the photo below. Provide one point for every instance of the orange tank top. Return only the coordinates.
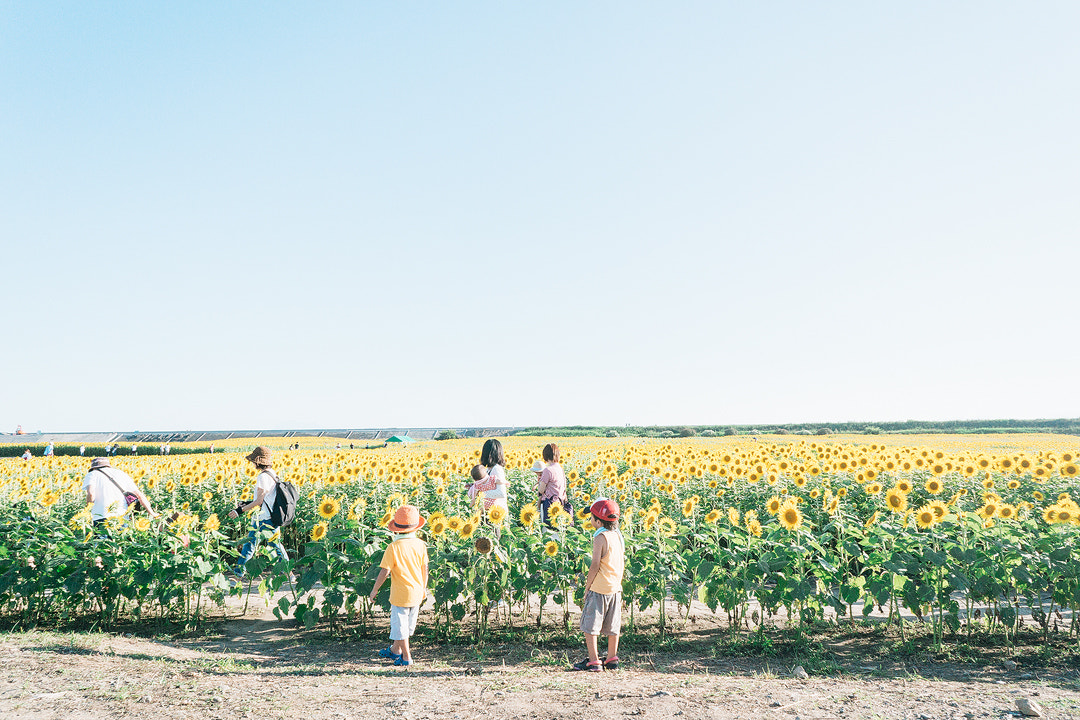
(608, 578)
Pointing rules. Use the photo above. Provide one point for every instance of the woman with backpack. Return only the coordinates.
(266, 490)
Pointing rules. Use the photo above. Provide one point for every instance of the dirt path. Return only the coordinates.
(259, 667)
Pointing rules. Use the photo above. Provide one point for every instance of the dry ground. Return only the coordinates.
(256, 666)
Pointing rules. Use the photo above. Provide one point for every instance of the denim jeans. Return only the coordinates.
(248, 549)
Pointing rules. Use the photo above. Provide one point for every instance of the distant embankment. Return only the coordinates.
(151, 440)
(1062, 426)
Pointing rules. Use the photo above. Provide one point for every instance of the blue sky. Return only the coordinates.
(269, 215)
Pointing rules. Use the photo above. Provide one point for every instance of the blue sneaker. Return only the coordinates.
(399, 660)
(389, 654)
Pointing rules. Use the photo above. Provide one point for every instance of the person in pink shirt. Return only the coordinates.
(552, 484)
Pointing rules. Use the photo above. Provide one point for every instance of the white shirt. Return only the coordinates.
(268, 484)
(108, 500)
(501, 484)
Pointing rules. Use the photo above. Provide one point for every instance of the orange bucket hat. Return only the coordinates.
(406, 519)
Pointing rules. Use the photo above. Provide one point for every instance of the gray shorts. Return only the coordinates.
(602, 614)
(403, 621)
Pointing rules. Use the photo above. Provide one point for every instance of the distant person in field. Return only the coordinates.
(82, 450)
(26, 455)
(266, 491)
(494, 461)
(108, 490)
(49, 450)
(551, 487)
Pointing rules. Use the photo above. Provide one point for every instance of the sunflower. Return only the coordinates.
(712, 517)
(988, 510)
(773, 505)
(1050, 514)
(437, 526)
(896, 500)
(497, 514)
(873, 488)
(790, 517)
(482, 545)
(48, 497)
(1069, 469)
(551, 548)
(528, 515)
(468, 528)
(934, 486)
(384, 520)
(872, 520)
(212, 523)
(318, 532)
(1066, 514)
(1038, 496)
(667, 526)
(733, 516)
(925, 517)
(454, 523)
(142, 524)
(939, 508)
(329, 507)
(904, 486)
(754, 527)
(688, 508)
(1006, 512)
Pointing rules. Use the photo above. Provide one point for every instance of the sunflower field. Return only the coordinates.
(967, 534)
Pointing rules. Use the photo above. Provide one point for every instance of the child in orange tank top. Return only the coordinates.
(601, 613)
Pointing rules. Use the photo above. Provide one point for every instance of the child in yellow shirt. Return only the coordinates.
(405, 561)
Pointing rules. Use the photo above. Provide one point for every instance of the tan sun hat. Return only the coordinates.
(538, 466)
(99, 463)
(406, 519)
(260, 456)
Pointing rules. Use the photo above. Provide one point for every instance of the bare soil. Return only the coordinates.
(255, 666)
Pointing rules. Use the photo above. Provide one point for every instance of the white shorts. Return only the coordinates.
(403, 622)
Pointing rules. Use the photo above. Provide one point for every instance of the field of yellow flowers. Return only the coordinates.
(806, 528)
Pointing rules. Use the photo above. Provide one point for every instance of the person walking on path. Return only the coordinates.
(405, 562)
(265, 495)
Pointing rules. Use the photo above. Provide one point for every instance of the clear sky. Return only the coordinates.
(357, 214)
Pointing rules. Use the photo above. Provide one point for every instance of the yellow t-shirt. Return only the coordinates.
(406, 559)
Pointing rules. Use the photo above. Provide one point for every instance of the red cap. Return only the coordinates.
(605, 509)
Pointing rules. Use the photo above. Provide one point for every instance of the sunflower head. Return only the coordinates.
(482, 545)
(497, 514)
(528, 515)
(318, 532)
(329, 507)
(896, 500)
(790, 516)
(551, 548)
(925, 517)
(212, 523)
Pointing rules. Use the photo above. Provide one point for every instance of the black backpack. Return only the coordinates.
(283, 510)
